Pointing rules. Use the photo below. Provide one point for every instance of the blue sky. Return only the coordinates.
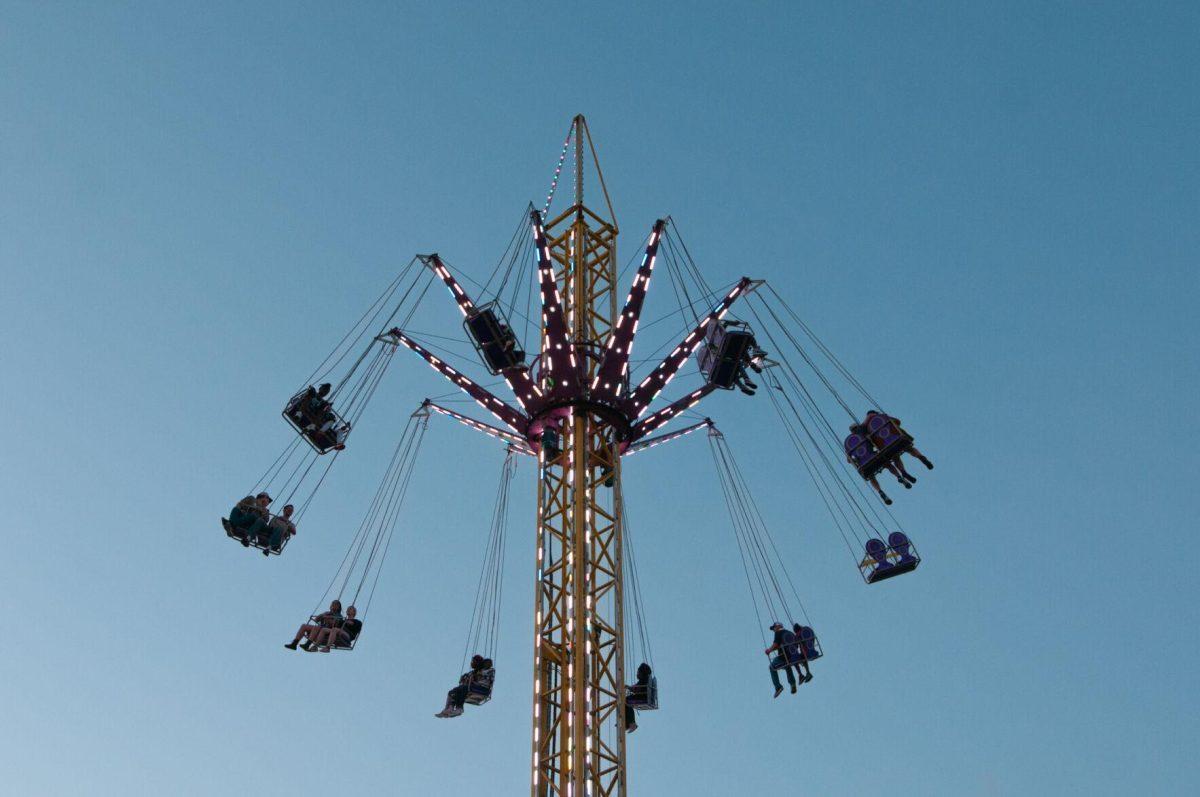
(989, 213)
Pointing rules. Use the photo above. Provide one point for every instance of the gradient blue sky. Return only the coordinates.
(197, 199)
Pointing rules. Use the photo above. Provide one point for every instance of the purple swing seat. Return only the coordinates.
(808, 643)
(888, 560)
(870, 460)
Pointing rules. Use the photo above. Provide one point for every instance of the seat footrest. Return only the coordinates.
(891, 572)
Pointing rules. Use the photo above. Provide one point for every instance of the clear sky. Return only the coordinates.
(988, 210)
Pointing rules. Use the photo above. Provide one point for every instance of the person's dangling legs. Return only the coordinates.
(924, 460)
(900, 474)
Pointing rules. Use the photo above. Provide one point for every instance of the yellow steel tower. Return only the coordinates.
(578, 413)
(578, 743)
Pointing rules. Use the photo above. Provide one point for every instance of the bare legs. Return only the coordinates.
(328, 637)
(875, 483)
(313, 632)
(896, 468)
(924, 460)
(454, 702)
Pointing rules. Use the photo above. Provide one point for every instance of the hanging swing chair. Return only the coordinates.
(771, 587)
(484, 630)
(368, 550)
(314, 419)
(324, 413)
(260, 540)
(887, 560)
(876, 443)
(642, 695)
(494, 339)
(288, 476)
(729, 348)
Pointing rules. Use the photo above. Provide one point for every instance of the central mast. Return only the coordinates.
(578, 736)
(577, 412)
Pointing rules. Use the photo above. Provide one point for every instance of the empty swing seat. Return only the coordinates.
(643, 698)
(494, 339)
(886, 560)
(870, 459)
(724, 353)
(479, 689)
(321, 427)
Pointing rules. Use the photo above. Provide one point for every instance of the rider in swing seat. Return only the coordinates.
(457, 696)
(250, 518)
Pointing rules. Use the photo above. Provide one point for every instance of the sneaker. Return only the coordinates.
(927, 463)
(309, 647)
(291, 645)
(244, 541)
(631, 728)
(323, 649)
(911, 478)
(808, 678)
(907, 486)
(886, 500)
(794, 688)
(778, 691)
(266, 551)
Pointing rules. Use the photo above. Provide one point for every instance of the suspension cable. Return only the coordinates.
(483, 630)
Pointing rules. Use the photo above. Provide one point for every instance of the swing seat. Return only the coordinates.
(643, 698)
(325, 433)
(724, 353)
(887, 560)
(870, 460)
(494, 339)
(337, 645)
(809, 644)
(259, 541)
(789, 655)
(479, 689)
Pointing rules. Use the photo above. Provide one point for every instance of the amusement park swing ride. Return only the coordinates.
(577, 410)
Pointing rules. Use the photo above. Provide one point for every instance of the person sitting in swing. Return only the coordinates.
(509, 342)
(892, 465)
(331, 434)
(249, 517)
(457, 696)
(281, 527)
(309, 406)
(896, 465)
(311, 630)
(785, 644)
(860, 430)
(742, 382)
(341, 635)
(638, 694)
(801, 656)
